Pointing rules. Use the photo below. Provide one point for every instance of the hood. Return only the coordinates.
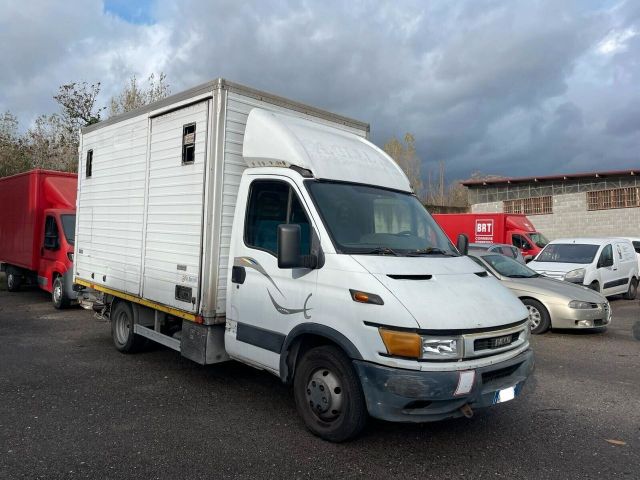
(555, 267)
(444, 293)
(558, 291)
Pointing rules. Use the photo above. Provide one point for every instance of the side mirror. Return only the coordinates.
(289, 246)
(463, 244)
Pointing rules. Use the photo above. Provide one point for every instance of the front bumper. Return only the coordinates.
(564, 317)
(399, 395)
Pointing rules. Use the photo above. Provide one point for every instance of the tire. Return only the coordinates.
(58, 296)
(13, 281)
(632, 293)
(122, 334)
(538, 315)
(595, 286)
(328, 394)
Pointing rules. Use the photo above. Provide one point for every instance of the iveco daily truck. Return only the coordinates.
(228, 223)
(37, 224)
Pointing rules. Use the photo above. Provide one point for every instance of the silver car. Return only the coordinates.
(551, 303)
(503, 248)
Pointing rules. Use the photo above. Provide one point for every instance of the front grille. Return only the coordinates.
(500, 373)
(492, 343)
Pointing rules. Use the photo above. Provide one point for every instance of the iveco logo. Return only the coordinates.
(501, 341)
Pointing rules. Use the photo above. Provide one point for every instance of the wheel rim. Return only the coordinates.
(534, 316)
(325, 395)
(122, 328)
(57, 292)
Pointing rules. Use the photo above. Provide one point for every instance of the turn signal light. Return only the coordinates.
(402, 344)
(364, 297)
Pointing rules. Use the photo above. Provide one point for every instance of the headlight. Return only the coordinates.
(580, 304)
(575, 276)
(437, 348)
(412, 345)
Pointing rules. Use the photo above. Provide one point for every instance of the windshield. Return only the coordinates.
(69, 227)
(539, 239)
(568, 253)
(369, 220)
(508, 267)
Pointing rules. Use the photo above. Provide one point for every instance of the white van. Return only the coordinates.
(228, 223)
(607, 265)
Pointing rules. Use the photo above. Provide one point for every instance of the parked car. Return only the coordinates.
(551, 303)
(607, 265)
(501, 248)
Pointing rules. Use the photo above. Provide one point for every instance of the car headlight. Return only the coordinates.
(575, 276)
(413, 345)
(580, 304)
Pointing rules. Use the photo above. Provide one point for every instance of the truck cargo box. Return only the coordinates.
(157, 194)
(23, 200)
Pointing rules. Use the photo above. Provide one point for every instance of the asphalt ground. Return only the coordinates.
(71, 406)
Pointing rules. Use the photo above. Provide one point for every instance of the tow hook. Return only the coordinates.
(466, 410)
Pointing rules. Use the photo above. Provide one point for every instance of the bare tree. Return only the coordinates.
(51, 145)
(78, 102)
(13, 155)
(404, 154)
(133, 95)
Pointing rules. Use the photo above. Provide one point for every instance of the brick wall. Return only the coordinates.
(570, 218)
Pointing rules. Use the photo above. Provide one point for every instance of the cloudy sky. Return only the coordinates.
(512, 88)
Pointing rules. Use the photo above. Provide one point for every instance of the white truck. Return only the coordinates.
(228, 223)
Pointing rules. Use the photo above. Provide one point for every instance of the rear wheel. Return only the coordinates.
(58, 297)
(538, 316)
(124, 339)
(632, 293)
(13, 281)
(328, 394)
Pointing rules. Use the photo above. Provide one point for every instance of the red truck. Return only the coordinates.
(37, 228)
(507, 228)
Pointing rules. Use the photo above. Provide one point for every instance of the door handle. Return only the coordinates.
(238, 274)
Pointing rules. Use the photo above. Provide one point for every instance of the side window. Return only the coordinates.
(188, 143)
(606, 257)
(272, 203)
(520, 242)
(51, 241)
(88, 169)
(636, 246)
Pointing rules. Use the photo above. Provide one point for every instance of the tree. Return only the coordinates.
(133, 95)
(13, 153)
(51, 145)
(404, 154)
(78, 102)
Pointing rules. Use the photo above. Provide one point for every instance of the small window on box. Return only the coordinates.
(188, 143)
(89, 164)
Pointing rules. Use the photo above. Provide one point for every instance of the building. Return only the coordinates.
(583, 204)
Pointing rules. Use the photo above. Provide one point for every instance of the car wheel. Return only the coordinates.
(58, 297)
(124, 339)
(633, 290)
(538, 316)
(13, 281)
(328, 394)
(595, 286)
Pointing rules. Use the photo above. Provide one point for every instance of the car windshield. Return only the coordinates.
(568, 253)
(539, 239)
(69, 227)
(508, 267)
(370, 220)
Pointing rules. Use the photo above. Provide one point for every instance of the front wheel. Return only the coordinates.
(632, 293)
(595, 286)
(13, 281)
(328, 394)
(538, 316)
(58, 297)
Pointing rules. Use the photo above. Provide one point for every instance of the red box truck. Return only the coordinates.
(37, 228)
(513, 229)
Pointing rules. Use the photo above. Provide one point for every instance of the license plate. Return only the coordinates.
(505, 394)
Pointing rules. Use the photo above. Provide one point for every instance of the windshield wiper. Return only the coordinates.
(430, 251)
(382, 251)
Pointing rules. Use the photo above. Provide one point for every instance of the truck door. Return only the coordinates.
(521, 242)
(266, 302)
(48, 252)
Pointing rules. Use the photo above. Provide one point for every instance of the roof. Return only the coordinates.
(280, 140)
(549, 178)
(587, 240)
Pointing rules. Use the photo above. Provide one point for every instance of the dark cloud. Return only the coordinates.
(511, 88)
